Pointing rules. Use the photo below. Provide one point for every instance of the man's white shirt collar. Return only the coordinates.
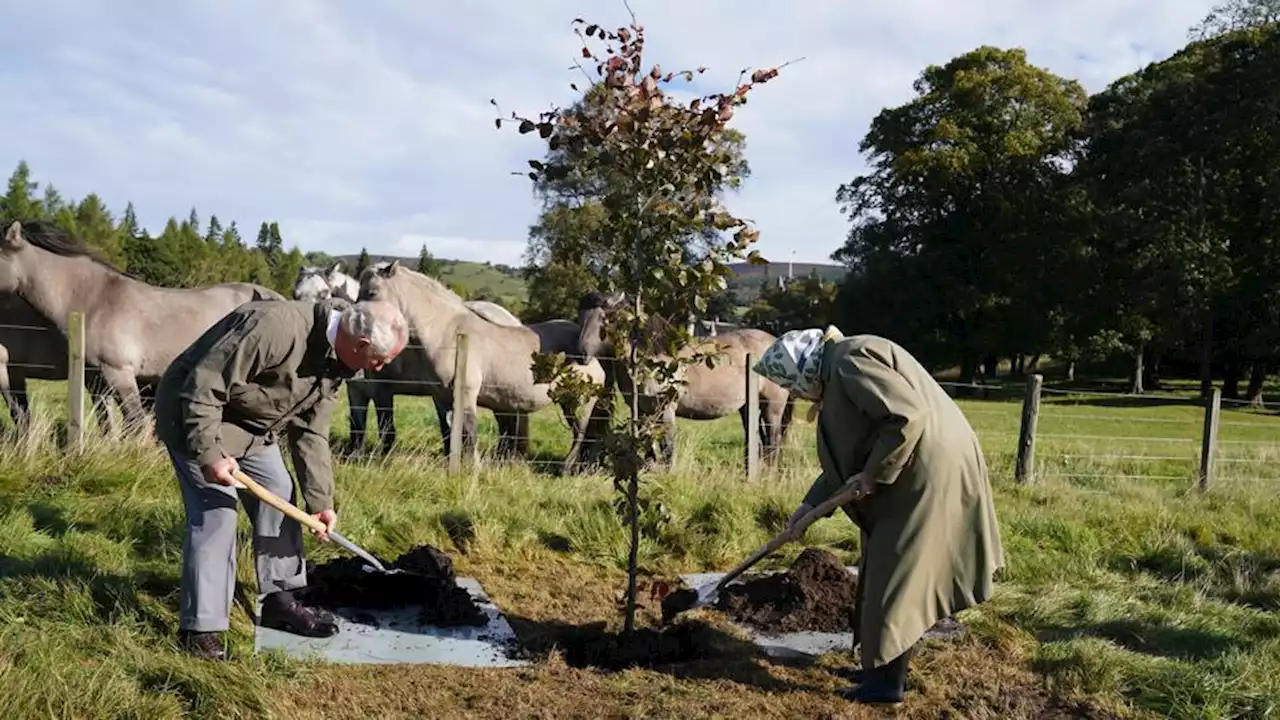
(332, 331)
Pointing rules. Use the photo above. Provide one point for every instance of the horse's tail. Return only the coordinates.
(788, 411)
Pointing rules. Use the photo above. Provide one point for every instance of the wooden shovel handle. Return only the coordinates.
(278, 502)
(847, 492)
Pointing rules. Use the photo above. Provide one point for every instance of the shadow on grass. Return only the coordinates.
(1149, 638)
(115, 597)
(689, 650)
(1220, 571)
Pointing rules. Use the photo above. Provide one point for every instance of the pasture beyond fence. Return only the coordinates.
(1197, 434)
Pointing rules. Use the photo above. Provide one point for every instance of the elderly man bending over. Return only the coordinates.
(268, 368)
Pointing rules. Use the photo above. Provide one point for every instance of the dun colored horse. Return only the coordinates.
(380, 388)
(499, 360)
(133, 330)
(707, 393)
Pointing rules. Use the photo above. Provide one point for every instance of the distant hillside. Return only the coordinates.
(746, 284)
(496, 280)
(505, 281)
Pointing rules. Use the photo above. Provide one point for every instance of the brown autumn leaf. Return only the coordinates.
(760, 76)
(586, 52)
(526, 126)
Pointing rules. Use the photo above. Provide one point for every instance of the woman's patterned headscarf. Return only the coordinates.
(794, 361)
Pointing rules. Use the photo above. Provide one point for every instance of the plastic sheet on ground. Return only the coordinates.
(379, 637)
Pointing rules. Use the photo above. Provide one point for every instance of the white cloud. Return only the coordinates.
(368, 124)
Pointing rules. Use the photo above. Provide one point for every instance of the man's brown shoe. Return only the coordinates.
(282, 612)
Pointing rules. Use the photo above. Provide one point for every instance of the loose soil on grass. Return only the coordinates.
(428, 580)
(816, 594)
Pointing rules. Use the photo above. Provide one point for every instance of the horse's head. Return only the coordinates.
(375, 280)
(10, 251)
(310, 285)
(341, 284)
(594, 309)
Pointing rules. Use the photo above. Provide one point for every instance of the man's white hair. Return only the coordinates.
(378, 321)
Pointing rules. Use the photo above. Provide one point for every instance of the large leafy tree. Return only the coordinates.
(964, 183)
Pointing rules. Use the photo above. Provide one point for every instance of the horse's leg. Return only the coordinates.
(384, 412)
(125, 385)
(357, 415)
(6, 391)
(669, 436)
(788, 412)
(579, 423)
(770, 417)
(103, 397)
(508, 430)
(443, 408)
(522, 435)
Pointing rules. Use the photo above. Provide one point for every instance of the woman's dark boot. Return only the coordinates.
(886, 684)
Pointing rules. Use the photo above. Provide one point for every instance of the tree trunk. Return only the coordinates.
(1206, 355)
(1231, 379)
(1071, 371)
(1017, 365)
(1153, 370)
(968, 368)
(1257, 378)
(990, 363)
(1032, 365)
(1138, 372)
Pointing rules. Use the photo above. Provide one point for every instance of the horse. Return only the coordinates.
(499, 360)
(315, 284)
(707, 393)
(133, 330)
(32, 348)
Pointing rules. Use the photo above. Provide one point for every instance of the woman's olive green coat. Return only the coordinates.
(931, 543)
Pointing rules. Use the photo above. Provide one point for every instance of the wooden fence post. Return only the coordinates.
(753, 421)
(459, 392)
(75, 381)
(1209, 439)
(1024, 469)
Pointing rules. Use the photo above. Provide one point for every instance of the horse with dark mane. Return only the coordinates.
(133, 330)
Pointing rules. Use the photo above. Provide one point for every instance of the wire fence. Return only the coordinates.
(1086, 436)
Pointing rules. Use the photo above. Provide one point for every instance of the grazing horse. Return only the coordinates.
(133, 330)
(707, 393)
(380, 388)
(499, 360)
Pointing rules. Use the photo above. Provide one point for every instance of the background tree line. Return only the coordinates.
(1008, 214)
(186, 253)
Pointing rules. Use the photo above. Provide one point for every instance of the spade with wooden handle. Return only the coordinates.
(292, 511)
(685, 600)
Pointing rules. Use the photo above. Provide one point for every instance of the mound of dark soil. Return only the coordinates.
(428, 580)
(815, 594)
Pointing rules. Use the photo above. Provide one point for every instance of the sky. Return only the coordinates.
(368, 124)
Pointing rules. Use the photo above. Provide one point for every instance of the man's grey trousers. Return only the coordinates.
(209, 548)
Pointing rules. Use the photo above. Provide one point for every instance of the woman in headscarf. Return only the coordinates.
(930, 539)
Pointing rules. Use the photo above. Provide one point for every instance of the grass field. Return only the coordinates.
(1126, 592)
